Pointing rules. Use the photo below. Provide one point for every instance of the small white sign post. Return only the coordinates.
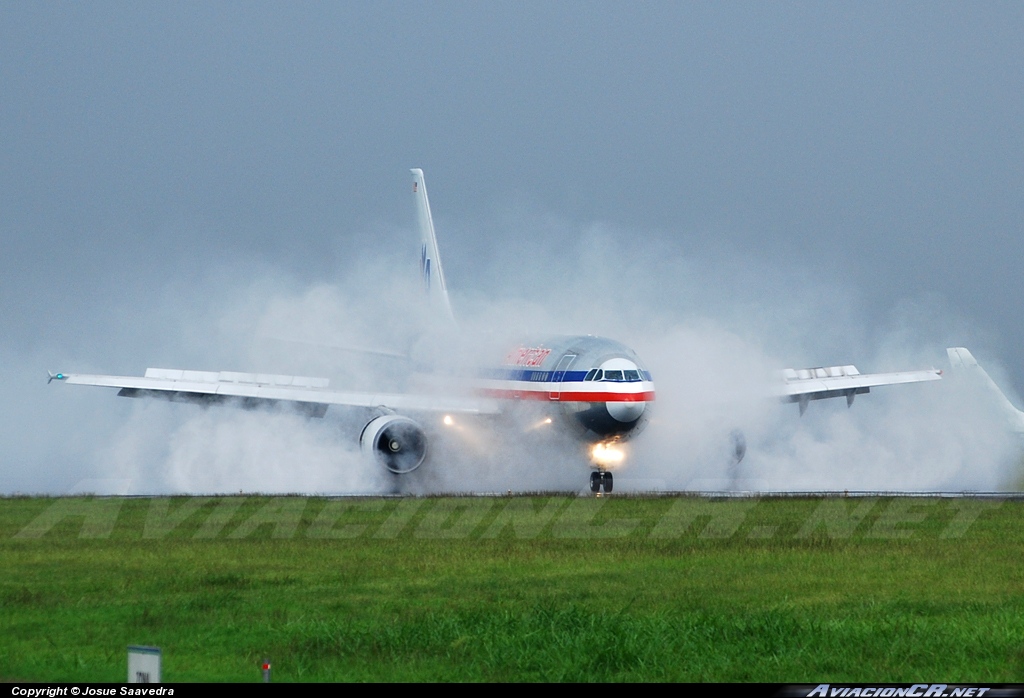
(143, 664)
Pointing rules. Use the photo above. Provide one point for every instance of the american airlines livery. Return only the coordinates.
(596, 388)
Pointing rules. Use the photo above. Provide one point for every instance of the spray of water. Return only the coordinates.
(713, 330)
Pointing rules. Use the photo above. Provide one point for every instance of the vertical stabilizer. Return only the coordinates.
(962, 361)
(430, 259)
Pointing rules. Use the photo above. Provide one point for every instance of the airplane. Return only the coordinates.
(593, 387)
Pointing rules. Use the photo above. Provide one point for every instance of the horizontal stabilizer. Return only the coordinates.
(964, 363)
(369, 351)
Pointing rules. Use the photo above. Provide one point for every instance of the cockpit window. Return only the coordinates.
(614, 375)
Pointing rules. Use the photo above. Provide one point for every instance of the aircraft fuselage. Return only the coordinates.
(595, 385)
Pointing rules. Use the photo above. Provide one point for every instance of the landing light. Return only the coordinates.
(607, 455)
(448, 421)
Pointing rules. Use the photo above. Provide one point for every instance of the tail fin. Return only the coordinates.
(430, 258)
(962, 361)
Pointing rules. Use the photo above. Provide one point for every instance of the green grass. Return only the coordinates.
(514, 589)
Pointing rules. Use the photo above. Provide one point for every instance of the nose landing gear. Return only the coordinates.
(600, 479)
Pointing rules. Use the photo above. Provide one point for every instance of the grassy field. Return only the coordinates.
(514, 589)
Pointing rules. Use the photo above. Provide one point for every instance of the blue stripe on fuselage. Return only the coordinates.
(535, 376)
(532, 375)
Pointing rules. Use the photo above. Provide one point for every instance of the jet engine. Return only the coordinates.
(397, 443)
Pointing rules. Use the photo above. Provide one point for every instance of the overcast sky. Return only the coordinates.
(870, 150)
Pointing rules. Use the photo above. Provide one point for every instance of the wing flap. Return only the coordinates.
(797, 383)
(801, 385)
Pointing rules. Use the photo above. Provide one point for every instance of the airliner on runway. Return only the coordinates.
(597, 388)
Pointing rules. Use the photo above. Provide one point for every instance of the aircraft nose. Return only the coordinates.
(625, 412)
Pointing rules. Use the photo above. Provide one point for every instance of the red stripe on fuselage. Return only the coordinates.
(568, 395)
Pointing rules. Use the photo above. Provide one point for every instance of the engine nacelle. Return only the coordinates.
(397, 443)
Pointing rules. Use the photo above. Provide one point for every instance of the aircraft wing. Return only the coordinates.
(801, 385)
(310, 396)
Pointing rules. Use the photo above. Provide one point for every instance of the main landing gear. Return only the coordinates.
(599, 479)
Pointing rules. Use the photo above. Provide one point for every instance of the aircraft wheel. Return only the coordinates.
(595, 482)
(607, 482)
(739, 445)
